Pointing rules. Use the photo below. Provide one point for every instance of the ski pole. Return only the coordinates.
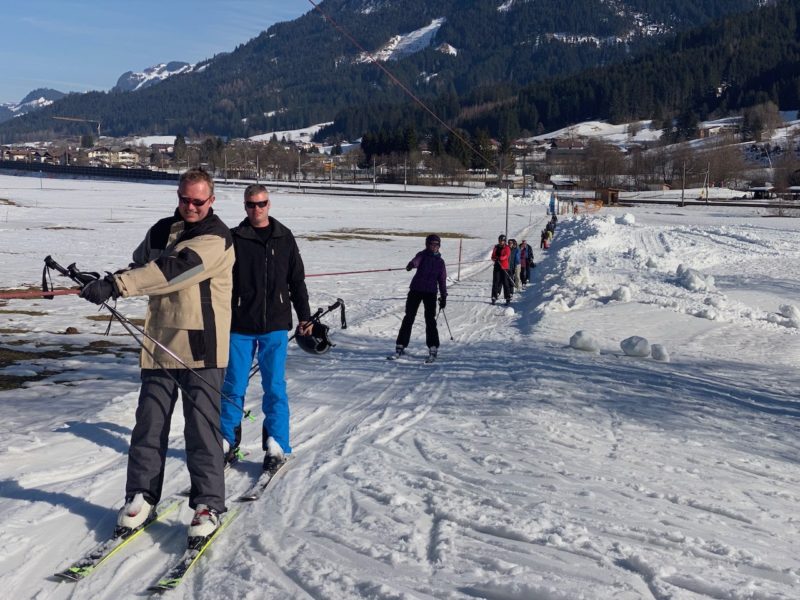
(444, 314)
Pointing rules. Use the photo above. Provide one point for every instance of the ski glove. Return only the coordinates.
(99, 290)
(442, 301)
(409, 266)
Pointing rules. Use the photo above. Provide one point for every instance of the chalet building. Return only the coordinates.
(99, 153)
(163, 149)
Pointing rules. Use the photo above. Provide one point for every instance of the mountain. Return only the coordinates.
(131, 81)
(35, 100)
(309, 70)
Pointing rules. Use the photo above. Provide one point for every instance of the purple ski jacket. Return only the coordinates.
(430, 272)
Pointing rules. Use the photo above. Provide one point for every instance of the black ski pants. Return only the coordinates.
(428, 300)
(150, 438)
(501, 279)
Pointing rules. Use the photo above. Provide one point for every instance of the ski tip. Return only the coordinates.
(247, 498)
(69, 575)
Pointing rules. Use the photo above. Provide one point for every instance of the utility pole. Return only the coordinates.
(683, 184)
(405, 172)
(507, 195)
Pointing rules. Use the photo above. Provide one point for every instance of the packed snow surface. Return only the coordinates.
(515, 467)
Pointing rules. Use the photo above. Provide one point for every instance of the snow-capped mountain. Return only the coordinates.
(131, 81)
(304, 71)
(35, 100)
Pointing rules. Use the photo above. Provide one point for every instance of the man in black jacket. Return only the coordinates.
(268, 275)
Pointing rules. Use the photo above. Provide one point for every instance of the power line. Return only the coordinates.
(399, 83)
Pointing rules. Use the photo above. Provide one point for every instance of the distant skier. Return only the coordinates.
(431, 273)
(500, 278)
(525, 261)
(514, 265)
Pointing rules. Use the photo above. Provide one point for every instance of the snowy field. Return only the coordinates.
(518, 467)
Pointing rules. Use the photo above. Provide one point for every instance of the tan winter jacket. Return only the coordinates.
(186, 269)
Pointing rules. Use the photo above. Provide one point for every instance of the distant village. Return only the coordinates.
(716, 157)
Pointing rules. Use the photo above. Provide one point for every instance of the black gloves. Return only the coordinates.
(409, 266)
(100, 290)
(442, 301)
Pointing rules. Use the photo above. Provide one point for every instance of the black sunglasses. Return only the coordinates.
(192, 201)
(262, 204)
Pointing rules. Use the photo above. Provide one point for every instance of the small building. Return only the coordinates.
(762, 192)
(608, 196)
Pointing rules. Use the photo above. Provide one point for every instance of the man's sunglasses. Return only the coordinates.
(262, 204)
(192, 201)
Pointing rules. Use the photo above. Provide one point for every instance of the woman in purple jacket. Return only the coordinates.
(431, 273)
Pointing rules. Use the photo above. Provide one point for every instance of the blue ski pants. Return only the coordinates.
(270, 351)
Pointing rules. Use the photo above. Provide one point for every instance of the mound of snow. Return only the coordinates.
(509, 311)
(694, 280)
(635, 346)
(659, 352)
(581, 340)
(792, 313)
(622, 293)
(627, 219)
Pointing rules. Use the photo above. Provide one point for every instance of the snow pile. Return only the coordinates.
(635, 346)
(622, 294)
(529, 198)
(792, 314)
(693, 279)
(659, 352)
(582, 340)
(509, 311)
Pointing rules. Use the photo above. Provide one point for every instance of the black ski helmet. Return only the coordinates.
(433, 238)
(316, 343)
(501, 238)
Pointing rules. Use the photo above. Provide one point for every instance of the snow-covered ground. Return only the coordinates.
(517, 467)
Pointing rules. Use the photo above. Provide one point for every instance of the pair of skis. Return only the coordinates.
(177, 572)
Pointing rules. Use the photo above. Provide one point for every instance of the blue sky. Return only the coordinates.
(80, 45)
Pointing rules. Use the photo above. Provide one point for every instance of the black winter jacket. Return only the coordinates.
(267, 276)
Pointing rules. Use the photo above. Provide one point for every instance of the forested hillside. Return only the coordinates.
(307, 71)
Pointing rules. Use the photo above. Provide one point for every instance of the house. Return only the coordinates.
(762, 192)
(125, 156)
(99, 153)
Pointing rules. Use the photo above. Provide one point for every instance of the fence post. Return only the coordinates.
(460, 242)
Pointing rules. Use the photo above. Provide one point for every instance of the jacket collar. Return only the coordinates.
(246, 230)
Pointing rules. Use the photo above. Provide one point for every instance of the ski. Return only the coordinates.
(261, 485)
(430, 360)
(98, 555)
(173, 577)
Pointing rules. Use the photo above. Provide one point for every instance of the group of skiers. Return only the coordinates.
(219, 297)
(511, 272)
(548, 232)
(512, 265)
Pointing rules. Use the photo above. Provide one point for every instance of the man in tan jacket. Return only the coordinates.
(184, 264)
